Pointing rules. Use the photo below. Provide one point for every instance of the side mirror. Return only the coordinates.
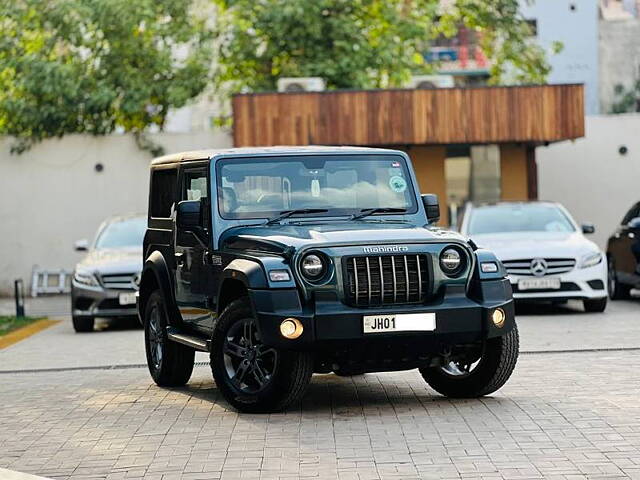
(81, 245)
(432, 207)
(634, 223)
(588, 228)
(188, 215)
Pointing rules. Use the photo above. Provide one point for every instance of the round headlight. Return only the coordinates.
(451, 261)
(312, 266)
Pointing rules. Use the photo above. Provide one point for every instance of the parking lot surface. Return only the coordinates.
(81, 406)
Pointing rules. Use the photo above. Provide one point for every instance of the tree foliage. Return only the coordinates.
(363, 43)
(97, 66)
(626, 100)
(94, 66)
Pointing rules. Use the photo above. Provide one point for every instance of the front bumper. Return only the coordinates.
(579, 283)
(459, 318)
(99, 302)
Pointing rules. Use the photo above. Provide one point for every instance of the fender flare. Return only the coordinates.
(156, 268)
(249, 272)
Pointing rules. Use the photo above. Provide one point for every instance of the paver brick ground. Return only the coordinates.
(542, 328)
(562, 415)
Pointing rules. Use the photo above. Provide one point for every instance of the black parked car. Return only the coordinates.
(623, 253)
(281, 262)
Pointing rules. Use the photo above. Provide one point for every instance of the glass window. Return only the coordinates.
(122, 234)
(195, 185)
(163, 192)
(534, 217)
(631, 214)
(262, 187)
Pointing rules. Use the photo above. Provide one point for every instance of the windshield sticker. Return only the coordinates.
(397, 184)
(315, 188)
(395, 164)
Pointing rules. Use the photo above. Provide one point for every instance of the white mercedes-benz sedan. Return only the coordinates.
(543, 249)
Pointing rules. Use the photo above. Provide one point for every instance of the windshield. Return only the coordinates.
(518, 218)
(342, 185)
(123, 233)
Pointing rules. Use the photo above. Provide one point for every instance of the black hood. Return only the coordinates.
(279, 237)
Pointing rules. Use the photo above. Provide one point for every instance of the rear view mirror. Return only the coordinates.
(634, 223)
(81, 245)
(432, 207)
(188, 215)
(588, 228)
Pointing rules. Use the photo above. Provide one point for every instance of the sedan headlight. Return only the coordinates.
(313, 266)
(452, 261)
(590, 260)
(85, 278)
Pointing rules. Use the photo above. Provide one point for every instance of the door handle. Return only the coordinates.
(179, 258)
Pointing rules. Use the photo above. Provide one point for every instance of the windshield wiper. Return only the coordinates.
(365, 212)
(298, 211)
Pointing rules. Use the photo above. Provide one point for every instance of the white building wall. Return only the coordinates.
(575, 24)
(590, 177)
(52, 195)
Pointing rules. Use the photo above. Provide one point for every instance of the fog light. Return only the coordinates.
(291, 328)
(498, 317)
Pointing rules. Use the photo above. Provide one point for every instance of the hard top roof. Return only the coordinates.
(258, 151)
(506, 203)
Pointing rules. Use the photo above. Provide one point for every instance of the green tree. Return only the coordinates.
(94, 66)
(626, 100)
(363, 43)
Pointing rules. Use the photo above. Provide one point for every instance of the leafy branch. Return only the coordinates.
(97, 66)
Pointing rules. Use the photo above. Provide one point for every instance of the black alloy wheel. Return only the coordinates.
(249, 364)
(617, 290)
(170, 363)
(482, 372)
(252, 376)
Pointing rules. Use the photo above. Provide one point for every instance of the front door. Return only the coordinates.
(193, 261)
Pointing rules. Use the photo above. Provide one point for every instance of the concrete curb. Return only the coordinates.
(25, 332)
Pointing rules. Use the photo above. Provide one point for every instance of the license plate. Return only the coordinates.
(127, 298)
(405, 322)
(539, 284)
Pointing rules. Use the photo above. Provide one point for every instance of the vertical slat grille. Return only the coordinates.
(386, 279)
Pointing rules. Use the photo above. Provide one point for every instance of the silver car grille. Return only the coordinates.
(386, 279)
(539, 266)
(119, 281)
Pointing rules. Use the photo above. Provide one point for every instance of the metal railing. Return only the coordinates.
(50, 281)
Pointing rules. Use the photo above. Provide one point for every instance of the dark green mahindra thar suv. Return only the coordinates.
(287, 261)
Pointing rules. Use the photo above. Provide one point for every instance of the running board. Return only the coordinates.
(192, 341)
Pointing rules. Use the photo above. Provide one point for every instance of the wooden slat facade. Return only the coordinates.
(531, 114)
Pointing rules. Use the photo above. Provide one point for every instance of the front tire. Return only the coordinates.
(491, 371)
(251, 376)
(595, 305)
(83, 324)
(170, 363)
(617, 290)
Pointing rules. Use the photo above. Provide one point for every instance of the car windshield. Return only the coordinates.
(341, 185)
(123, 233)
(518, 218)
